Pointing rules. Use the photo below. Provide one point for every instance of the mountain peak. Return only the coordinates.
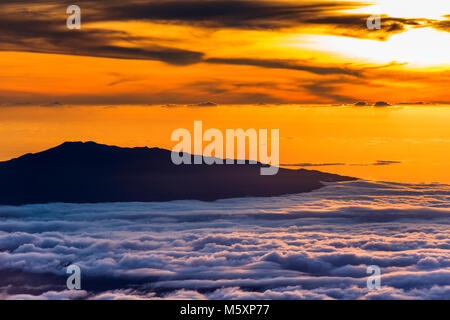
(75, 143)
(88, 172)
(81, 144)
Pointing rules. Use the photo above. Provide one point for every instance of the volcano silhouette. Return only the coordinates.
(87, 172)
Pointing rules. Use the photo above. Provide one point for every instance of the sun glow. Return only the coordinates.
(432, 9)
(419, 47)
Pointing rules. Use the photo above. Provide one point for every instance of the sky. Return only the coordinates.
(407, 143)
(139, 69)
(228, 52)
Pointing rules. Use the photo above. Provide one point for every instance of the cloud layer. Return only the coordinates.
(40, 27)
(310, 246)
(231, 52)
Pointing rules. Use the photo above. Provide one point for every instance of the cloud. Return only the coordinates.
(51, 295)
(385, 162)
(382, 104)
(184, 34)
(308, 246)
(38, 28)
(329, 89)
(254, 15)
(355, 25)
(309, 164)
(376, 163)
(206, 104)
(443, 25)
(35, 30)
(242, 14)
(284, 64)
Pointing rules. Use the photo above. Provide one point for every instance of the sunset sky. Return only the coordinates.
(228, 52)
(370, 105)
(139, 69)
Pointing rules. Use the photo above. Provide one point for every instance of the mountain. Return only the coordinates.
(87, 172)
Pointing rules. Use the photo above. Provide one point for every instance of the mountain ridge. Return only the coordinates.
(88, 172)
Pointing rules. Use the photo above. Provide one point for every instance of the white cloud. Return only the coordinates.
(308, 246)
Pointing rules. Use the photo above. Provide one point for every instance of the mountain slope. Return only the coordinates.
(78, 172)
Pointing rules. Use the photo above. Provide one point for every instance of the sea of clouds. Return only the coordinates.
(316, 245)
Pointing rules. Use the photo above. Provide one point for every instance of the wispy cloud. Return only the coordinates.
(200, 40)
(376, 163)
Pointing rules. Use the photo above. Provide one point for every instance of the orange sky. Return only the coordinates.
(401, 143)
(227, 52)
(257, 60)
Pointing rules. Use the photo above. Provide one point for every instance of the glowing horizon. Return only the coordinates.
(269, 56)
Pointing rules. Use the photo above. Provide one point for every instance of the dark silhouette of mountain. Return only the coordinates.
(78, 172)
